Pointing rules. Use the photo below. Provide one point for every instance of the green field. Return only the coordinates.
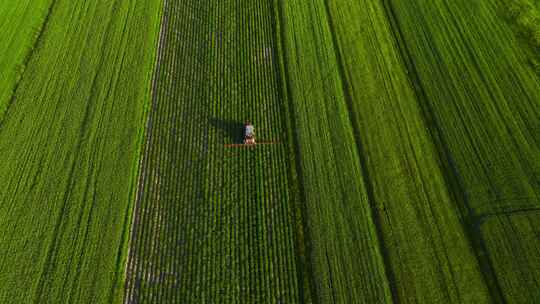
(21, 26)
(403, 164)
(214, 224)
(70, 140)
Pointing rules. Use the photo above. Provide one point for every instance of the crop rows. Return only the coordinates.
(68, 141)
(214, 224)
(422, 229)
(432, 170)
(347, 264)
(512, 242)
(495, 144)
(405, 166)
(484, 98)
(21, 24)
(401, 194)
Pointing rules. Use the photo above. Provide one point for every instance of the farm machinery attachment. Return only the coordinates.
(249, 138)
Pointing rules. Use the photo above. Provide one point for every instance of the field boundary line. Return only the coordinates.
(130, 286)
(41, 30)
(480, 219)
(449, 171)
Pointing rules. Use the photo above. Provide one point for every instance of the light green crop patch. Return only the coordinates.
(21, 25)
(69, 142)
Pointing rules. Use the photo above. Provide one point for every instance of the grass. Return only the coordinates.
(69, 141)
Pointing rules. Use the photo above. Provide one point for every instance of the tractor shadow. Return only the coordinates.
(232, 130)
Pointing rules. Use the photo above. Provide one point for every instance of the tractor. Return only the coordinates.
(249, 138)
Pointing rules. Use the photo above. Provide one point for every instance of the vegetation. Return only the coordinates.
(487, 125)
(69, 142)
(21, 24)
(433, 175)
(422, 230)
(404, 168)
(215, 223)
(347, 265)
(524, 15)
(512, 243)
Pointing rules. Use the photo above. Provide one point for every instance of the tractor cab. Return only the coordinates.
(249, 138)
(249, 134)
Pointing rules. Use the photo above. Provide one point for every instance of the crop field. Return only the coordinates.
(214, 223)
(21, 25)
(409, 188)
(487, 126)
(399, 155)
(69, 142)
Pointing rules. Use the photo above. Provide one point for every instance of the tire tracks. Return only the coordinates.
(131, 288)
